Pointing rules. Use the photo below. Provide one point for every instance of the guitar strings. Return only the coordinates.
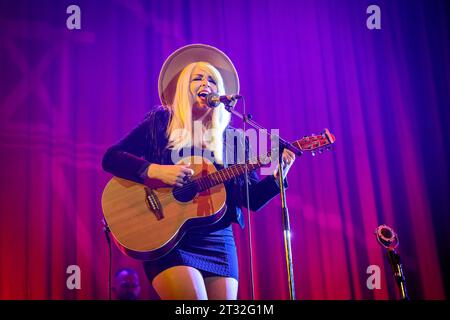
(191, 185)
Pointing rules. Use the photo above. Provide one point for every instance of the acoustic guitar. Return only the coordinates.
(148, 221)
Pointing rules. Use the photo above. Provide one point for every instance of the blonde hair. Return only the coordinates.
(179, 130)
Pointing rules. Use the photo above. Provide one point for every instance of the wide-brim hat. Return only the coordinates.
(178, 60)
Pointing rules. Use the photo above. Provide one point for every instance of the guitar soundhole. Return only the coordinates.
(185, 193)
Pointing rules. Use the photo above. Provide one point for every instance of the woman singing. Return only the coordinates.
(204, 263)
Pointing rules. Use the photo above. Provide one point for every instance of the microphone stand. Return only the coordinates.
(229, 106)
(387, 237)
(397, 270)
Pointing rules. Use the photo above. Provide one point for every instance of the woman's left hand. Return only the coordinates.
(288, 159)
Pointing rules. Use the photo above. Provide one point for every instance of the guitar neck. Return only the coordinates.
(307, 143)
(231, 172)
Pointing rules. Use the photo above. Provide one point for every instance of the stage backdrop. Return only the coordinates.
(67, 95)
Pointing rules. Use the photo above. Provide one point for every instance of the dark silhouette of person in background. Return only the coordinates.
(126, 284)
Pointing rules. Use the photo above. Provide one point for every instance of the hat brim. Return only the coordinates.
(178, 60)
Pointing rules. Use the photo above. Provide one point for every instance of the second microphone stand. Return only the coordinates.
(283, 144)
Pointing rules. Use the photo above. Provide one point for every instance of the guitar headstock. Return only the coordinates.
(316, 143)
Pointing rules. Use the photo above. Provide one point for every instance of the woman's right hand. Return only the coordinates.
(174, 175)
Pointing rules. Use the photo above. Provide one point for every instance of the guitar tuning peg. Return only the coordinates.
(321, 150)
(313, 153)
(330, 148)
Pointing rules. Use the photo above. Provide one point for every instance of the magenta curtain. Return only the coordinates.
(66, 95)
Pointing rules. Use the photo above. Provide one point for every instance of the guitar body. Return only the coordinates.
(146, 223)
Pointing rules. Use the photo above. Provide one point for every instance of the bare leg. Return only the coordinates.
(180, 283)
(221, 288)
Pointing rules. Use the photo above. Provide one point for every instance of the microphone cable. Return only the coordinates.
(247, 191)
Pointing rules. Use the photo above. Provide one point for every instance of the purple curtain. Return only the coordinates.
(66, 95)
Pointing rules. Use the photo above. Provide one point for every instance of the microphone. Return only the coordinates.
(386, 236)
(213, 99)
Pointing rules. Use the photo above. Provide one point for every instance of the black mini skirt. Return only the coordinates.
(210, 250)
